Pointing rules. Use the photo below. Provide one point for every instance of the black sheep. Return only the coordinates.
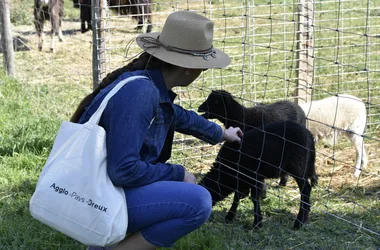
(221, 105)
(281, 147)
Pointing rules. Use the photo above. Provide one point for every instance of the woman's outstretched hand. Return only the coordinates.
(232, 134)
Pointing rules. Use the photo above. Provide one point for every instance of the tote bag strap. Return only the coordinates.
(95, 118)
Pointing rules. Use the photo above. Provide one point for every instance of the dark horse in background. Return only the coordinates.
(85, 14)
(45, 10)
(140, 10)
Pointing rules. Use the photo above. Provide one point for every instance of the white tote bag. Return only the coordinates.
(74, 194)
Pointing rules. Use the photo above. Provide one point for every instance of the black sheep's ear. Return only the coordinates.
(227, 97)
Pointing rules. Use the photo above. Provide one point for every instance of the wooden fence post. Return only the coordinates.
(305, 45)
(98, 15)
(6, 38)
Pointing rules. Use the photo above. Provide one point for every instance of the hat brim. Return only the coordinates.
(220, 60)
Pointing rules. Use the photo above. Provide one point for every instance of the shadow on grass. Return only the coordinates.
(69, 32)
(19, 44)
(324, 231)
(328, 228)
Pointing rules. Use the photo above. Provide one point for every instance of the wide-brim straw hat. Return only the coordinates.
(186, 40)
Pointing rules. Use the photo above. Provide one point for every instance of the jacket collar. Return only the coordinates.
(156, 77)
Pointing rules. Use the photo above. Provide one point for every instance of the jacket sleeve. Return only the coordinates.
(131, 116)
(190, 123)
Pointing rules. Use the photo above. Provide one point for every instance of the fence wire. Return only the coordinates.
(262, 39)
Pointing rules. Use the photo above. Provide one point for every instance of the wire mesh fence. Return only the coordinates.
(263, 40)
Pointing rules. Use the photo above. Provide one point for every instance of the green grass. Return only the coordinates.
(22, 123)
(26, 129)
(345, 212)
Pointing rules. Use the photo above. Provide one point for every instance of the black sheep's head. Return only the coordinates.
(215, 107)
(219, 183)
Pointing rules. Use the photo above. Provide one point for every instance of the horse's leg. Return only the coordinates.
(89, 24)
(41, 35)
(82, 19)
(39, 24)
(82, 26)
(149, 28)
(148, 13)
(53, 32)
(60, 35)
(140, 18)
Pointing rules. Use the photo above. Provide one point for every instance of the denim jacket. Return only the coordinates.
(140, 120)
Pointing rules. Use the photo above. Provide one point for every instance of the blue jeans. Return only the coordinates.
(165, 211)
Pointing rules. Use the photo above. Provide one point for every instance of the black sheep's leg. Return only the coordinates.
(232, 212)
(284, 179)
(255, 195)
(303, 214)
(263, 190)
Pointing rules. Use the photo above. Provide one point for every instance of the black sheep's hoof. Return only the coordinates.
(282, 183)
(211, 218)
(283, 180)
(263, 195)
(229, 218)
(297, 225)
(258, 226)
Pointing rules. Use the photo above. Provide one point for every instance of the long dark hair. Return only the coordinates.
(144, 61)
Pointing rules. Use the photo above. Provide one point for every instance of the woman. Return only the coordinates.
(163, 202)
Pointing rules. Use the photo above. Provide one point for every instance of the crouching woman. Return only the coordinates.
(162, 201)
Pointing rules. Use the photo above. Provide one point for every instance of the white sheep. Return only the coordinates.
(328, 118)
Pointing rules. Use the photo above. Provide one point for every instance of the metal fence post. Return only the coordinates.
(6, 38)
(305, 56)
(98, 10)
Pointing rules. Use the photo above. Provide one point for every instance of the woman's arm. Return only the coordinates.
(126, 119)
(190, 123)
